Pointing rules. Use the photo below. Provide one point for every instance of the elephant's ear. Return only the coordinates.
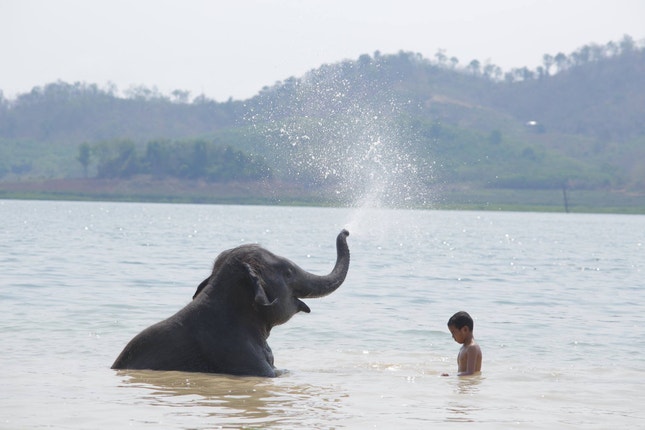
(201, 287)
(259, 287)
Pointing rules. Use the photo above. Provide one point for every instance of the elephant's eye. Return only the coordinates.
(289, 272)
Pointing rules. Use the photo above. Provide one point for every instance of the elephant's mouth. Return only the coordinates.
(302, 306)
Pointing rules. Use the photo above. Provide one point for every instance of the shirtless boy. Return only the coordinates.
(469, 359)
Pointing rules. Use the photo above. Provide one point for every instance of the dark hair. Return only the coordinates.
(461, 319)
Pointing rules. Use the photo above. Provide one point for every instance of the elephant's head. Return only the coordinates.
(250, 277)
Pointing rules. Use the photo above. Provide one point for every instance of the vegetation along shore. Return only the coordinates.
(384, 130)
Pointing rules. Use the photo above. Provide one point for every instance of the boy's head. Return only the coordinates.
(461, 319)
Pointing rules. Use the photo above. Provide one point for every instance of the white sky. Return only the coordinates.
(233, 48)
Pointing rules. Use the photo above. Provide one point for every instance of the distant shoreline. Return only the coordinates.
(146, 189)
(274, 193)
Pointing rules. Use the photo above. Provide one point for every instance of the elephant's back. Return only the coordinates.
(162, 346)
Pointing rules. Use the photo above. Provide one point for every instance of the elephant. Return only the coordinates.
(224, 329)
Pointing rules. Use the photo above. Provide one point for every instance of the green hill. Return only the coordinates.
(392, 130)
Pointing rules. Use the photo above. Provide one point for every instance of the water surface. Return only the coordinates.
(558, 302)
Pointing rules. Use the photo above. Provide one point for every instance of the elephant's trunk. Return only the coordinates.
(313, 286)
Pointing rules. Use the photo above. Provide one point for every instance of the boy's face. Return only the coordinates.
(459, 334)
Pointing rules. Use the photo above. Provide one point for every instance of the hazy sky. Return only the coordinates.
(233, 48)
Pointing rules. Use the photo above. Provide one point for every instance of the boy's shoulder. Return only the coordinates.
(474, 346)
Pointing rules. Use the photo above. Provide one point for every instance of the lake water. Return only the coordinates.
(558, 302)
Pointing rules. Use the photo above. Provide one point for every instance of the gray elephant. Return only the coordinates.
(224, 329)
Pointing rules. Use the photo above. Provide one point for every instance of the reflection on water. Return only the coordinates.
(225, 399)
(469, 385)
(463, 406)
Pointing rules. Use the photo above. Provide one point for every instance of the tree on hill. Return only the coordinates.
(84, 157)
(181, 159)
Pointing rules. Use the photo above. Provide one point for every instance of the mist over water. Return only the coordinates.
(354, 143)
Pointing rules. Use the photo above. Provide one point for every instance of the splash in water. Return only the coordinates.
(350, 142)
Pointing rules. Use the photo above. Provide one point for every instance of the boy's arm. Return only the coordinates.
(471, 360)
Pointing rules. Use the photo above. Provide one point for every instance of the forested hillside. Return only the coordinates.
(372, 125)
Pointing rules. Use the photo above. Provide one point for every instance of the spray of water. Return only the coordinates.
(351, 142)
